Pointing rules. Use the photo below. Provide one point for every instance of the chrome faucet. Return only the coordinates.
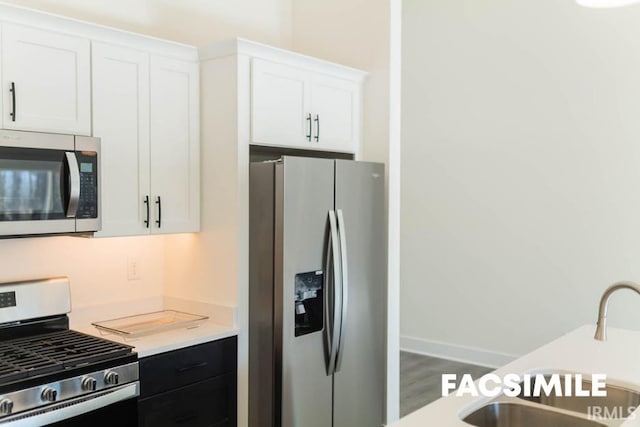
(601, 329)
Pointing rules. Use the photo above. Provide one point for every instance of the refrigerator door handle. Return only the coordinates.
(333, 285)
(344, 284)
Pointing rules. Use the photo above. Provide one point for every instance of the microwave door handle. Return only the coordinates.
(74, 184)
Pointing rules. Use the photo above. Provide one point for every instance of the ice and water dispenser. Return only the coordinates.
(309, 302)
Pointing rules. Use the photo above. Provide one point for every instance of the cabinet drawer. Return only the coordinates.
(209, 403)
(186, 366)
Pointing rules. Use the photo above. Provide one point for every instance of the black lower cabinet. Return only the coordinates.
(194, 386)
(206, 404)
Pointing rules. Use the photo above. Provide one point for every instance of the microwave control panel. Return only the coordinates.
(88, 166)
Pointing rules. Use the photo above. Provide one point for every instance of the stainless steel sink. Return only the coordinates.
(619, 402)
(503, 414)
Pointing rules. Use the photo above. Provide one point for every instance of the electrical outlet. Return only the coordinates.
(133, 269)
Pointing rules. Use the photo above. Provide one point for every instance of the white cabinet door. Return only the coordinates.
(297, 108)
(121, 120)
(335, 105)
(280, 108)
(175, 147)
(46, 81)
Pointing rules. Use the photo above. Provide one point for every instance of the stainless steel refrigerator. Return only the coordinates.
(317, 293)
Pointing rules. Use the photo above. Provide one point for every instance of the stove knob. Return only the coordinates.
(49, 394)
(89, 384)
(6, 406)
(111, 378)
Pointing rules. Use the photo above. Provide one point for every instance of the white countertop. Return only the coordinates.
(149, 345)
(577, 351)
(218, 326)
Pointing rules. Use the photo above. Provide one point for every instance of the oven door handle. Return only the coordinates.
(68, 409)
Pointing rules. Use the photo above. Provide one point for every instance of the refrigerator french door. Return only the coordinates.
(317, 297)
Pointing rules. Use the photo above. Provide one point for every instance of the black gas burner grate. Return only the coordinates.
(56, 351)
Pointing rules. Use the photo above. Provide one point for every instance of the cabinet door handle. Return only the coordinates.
(317, 120)
(13, 100)
(159, 220)
(309, 127)
(191, 367)
(146, 203)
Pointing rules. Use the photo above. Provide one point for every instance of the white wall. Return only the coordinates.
(364, 34)
(97, 268)
(521, 169)
(196, 22)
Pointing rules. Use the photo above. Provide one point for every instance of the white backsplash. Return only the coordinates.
(96, 267)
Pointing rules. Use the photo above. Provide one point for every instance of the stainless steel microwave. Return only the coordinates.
(49, 184)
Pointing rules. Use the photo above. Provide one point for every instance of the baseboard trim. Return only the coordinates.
(458, 353)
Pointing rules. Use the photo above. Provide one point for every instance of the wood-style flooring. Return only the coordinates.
(420, 378)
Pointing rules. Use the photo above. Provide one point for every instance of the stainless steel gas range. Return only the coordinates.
(53, 376)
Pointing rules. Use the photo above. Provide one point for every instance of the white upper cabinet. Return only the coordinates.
(336, 113)
(280, 105)
(302, 108)
(145, 110)
(45, 81)
(175, 147)
(121, 119)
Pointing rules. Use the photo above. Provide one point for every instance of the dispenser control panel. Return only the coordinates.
(309, 301)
